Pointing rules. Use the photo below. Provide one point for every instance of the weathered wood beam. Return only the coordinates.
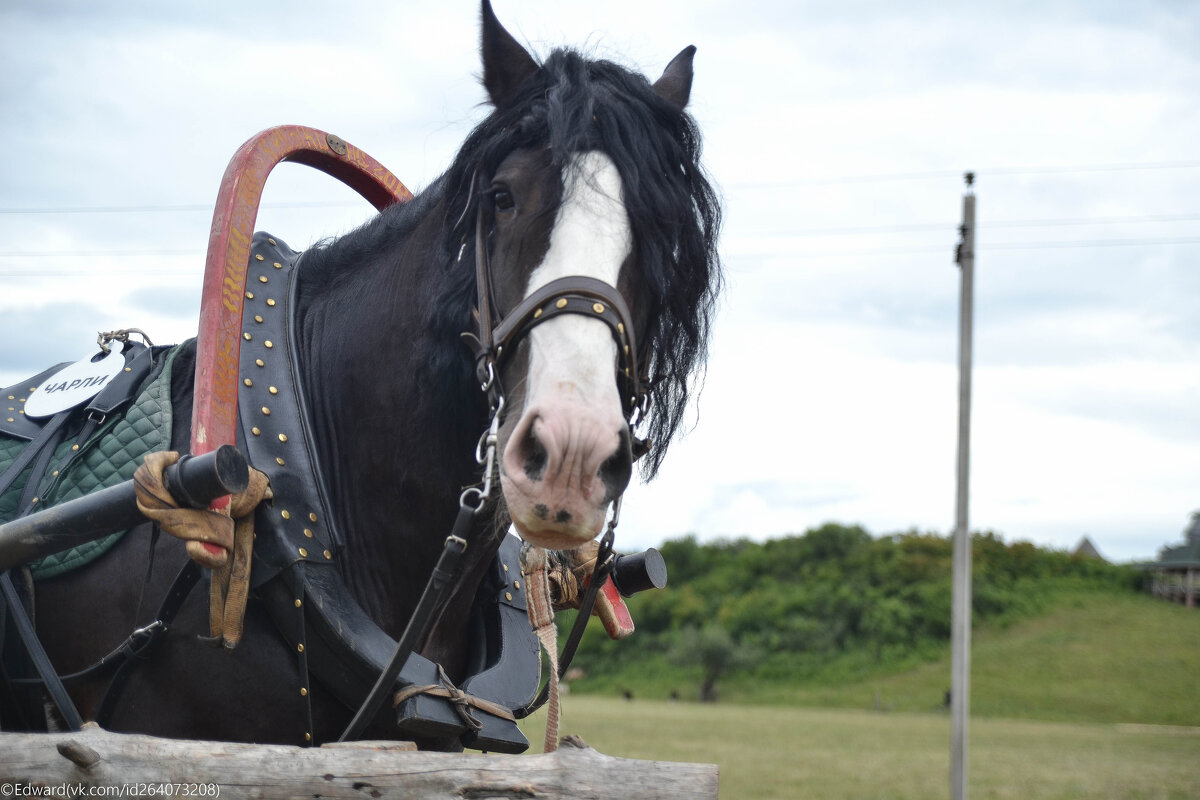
(148, 766)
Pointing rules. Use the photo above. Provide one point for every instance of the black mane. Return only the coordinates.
(572, 105)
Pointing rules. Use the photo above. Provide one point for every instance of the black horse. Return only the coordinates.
(582, 169)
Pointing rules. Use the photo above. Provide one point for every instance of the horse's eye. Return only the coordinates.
(503, 200)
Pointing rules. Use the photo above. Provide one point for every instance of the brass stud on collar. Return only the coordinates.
(256, 431)
(257, 318)
(266, 411)
(260, 362)
(246, 336)
(297, 602)
(621, 328)
(10, 419)
(285, 514)
(508, 595)
(259, 257)
(299, 648)
(247, 381)
(303, 553)
(277, 265)
(249, 295)
(328, 555)
(279, 461)
(308, 737)
(270, 301)
(516, 584)
(303, 692)
(272, 241)
(562, 303)
(537, 313)
(74, 447)
(598, 308)
(283, 437)
(268, 344)
(308, 533)
(262, 278)
(272, 390)
(312, 516)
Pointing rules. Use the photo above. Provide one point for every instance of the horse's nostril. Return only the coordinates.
(535, 457)
(617, 469)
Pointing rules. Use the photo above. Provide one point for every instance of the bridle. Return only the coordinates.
(495, 337)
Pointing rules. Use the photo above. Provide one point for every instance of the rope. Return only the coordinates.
(460, 700)
(534, 562)
(220, 540)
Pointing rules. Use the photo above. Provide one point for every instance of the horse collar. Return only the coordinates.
(274, 424)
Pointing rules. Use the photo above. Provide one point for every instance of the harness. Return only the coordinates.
(294, 570)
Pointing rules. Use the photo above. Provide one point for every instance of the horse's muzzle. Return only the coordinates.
(562, 467)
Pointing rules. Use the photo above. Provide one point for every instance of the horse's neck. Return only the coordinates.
(396, 445)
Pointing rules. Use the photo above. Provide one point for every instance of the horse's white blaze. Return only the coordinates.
(572, 408)
(591, 237)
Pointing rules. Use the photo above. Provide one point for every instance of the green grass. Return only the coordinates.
(1091, 657)
(1094, 658)
(779, 752)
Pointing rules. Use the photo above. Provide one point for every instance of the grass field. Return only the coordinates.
(1097, 698)
(792, 753)
(1095, 658)
(1092, 657)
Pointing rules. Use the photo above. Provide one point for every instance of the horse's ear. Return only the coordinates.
(675, 85)
(506, 64)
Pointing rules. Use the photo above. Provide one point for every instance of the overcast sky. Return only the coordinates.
(838, 133)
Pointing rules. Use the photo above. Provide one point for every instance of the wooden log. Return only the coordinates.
(68, 764)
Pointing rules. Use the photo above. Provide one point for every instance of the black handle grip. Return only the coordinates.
(196, 481)
(638, 572)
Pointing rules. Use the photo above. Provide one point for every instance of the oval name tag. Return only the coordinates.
(74, 384)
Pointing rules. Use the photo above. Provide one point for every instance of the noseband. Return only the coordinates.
(497, 336)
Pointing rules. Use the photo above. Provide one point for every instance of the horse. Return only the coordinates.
(582, 168)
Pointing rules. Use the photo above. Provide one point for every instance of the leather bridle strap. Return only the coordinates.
(573, 294)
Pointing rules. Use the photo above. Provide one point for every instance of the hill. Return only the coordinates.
(836, 617)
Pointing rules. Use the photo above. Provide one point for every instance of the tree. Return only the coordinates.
(716, 652)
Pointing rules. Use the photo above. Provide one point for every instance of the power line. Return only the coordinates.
(154, 209)
(947, 226)
(957, 174)
(979, 247)
(783, 184)
(912, 250)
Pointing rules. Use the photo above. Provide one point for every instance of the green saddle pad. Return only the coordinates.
(110, 456)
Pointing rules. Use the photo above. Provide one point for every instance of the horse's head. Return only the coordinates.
(584, 171)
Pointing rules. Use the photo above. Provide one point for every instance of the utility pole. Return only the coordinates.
(960, 614)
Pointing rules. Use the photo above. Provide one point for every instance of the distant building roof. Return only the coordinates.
(1186, 554)
(1085, 549)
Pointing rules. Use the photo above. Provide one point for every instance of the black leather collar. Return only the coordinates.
(296, 525)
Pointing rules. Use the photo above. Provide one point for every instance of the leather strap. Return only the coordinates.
(574, 294)
(37, 654)
(134, 649)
